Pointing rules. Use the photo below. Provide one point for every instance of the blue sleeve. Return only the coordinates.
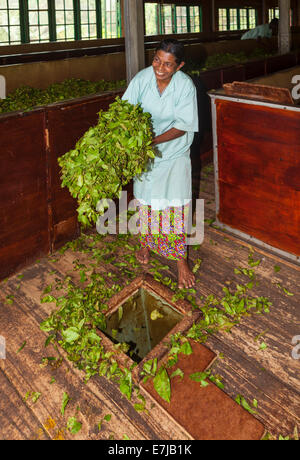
(186, 110)
(132, 92)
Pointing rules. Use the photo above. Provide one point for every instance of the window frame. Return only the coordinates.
(7, 9)
(53, 25)
(160, 20)
(238, 16)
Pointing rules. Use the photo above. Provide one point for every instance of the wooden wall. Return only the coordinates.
(259, 172)
(42, 74)
(23, 190)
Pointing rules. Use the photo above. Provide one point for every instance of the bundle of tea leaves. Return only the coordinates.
(107, 157)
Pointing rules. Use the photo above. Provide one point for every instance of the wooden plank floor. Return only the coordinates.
(271, 376)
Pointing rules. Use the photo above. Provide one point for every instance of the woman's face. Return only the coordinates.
(165, 65)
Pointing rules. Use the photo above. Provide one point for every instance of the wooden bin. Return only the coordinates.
(36, 214)
(257, 170)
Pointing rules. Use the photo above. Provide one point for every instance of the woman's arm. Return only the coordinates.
(169, 135)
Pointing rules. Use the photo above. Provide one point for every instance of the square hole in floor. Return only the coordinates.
(141, 321)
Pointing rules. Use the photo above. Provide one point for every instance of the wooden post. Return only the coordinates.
(284, 33)
(134, 37)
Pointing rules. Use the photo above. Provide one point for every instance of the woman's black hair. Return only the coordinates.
(170, 45)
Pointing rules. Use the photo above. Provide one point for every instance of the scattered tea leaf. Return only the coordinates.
(65, 401)
(162, 384)
(73, 425)
(21, 347)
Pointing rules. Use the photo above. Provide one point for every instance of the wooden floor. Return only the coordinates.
(270, 375)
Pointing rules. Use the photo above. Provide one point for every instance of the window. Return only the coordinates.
(181, 19)
(252, 18)
(88, 19)
(10, 29)
(65, 20)
(172, 19)
(223, 19)
(195, 13)
(111, 25)
(38, 21)
(237, 18)
(151, 19)
(273, 13)
(167, 19)
(243, 18)
(233, 19)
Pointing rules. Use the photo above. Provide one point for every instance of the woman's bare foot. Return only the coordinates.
(143, 256)
(186, 278)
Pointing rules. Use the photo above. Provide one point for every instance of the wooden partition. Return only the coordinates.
(257, 164)
(36, 214)
(23, 190)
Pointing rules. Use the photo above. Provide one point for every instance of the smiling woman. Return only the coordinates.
(164, 191)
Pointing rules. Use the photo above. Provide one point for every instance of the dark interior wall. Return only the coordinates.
(53, 46)
(41, 74)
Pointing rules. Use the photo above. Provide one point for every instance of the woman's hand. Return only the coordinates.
(170, 135)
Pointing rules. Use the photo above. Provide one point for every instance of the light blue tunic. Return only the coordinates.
(168, 182)
(263, 31)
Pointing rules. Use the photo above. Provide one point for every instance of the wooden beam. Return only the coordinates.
(284, 33)
(134, 37)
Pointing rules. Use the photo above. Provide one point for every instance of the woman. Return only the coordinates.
(169, 96)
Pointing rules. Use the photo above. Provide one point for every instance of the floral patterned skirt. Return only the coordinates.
(163, 232)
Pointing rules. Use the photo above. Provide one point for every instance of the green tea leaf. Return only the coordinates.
(186, 348)
(73, 425)
(155, 314)
(21, 347)
(162, 384)
(65, 401)
(71, 334)
(35, 396)
(178, 373)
